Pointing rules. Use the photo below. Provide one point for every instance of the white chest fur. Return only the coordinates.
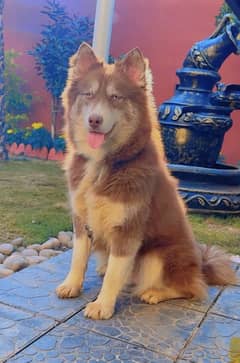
(99, 212)
(104, 214)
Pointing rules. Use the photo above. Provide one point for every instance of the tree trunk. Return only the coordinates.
(55, 111)
(3, 150)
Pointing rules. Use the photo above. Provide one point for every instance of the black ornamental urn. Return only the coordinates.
(195, 120)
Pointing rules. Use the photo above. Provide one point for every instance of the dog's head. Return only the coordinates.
(106, 106)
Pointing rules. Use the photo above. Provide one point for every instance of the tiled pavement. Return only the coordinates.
(36, 326)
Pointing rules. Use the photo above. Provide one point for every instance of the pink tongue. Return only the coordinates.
(95, 139)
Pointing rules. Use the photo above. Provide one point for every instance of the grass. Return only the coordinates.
(33, 201)
(33, 204)
(221, 231)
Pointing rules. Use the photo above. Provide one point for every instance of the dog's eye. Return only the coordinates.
(87, 94)
(116, 97)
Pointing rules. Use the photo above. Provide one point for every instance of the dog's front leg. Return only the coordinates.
(118, 270)
(72, 285)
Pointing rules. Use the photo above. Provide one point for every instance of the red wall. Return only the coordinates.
(22, 22)
(163, 29)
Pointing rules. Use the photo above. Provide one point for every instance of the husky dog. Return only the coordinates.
(125, 204)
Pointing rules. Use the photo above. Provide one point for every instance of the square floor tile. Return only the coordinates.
(228, 303)
(163, 328)
(34, 288)
(18, 328)
(217, 341)
(70, 343)
(198, 305)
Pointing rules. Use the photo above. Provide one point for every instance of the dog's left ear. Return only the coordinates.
(134, 66)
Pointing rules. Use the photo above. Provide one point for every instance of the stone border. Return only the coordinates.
(15, 256)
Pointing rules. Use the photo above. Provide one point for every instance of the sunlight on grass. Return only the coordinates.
(222, 231)
(33, 204)
(33, 201)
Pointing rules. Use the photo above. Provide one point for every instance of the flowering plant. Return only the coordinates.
(59, 143)
(36, 135)
(37, 125)
(14, 135)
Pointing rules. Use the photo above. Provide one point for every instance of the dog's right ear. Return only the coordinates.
(83, 59)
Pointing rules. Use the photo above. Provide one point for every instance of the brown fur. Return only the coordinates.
(125, 192)
(216, 266)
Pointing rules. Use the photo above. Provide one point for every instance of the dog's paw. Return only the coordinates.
(96, 310)
(151, 296)
(67, 290)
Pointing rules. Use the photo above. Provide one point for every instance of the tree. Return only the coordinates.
(17, 100)
(3, 150)
(61, 38)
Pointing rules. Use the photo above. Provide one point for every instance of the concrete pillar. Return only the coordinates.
(103, 27)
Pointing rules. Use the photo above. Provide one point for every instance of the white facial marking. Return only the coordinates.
(111, 90)
(109, 115)
(94, 87)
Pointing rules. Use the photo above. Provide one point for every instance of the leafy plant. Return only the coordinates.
(59, 144)
(16, 136)
(37, 136)
(61, 37)
(17, 100)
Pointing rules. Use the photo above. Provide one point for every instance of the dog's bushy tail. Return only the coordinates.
(216, 266)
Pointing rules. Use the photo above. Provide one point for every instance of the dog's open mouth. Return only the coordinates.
(96, 139)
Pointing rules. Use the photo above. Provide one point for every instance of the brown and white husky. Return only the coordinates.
(122, 192)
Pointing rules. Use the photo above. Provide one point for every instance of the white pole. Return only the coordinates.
(103, 27)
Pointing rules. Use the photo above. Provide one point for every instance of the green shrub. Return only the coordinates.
(16, 135)
(37, 136)
(17, 100)
(59, 144)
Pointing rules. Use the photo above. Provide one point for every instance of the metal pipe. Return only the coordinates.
(103, 27)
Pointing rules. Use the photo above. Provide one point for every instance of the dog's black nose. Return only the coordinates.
(95, 121)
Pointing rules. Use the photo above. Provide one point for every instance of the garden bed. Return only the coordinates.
(34, 142)
(28, 151)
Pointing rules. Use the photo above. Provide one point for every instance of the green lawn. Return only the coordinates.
(33, 201)
(222, 231)
(33, 204)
